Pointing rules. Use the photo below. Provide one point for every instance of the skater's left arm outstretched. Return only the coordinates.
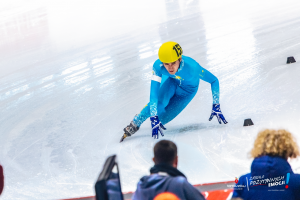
(157, 126)
(215, 89)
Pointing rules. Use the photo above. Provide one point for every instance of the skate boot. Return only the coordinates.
(129, 130)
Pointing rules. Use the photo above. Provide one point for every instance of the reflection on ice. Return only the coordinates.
(145, 49)
(146, 55)
(20, 89)
(106, 82)
(24, 98)
(48, 78)
(236, 46)
(97, 60)
(103, 70)
(48, 86)
(13, 92)
(83, 90)
(102, 64)
(75, 79)
(75, 68)
(77, 73)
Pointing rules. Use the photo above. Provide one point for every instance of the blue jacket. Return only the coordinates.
(150, 186)
(270, 178)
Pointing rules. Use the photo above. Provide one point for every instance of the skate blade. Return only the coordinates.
(123, 137)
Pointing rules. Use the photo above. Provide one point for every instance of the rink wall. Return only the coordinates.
(211, 191)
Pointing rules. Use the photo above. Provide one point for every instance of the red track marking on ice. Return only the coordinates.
(218, 194)
(82, 198)
(225, 182)
(211, 195)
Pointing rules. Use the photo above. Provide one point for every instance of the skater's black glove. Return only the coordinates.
(216, 111)
(156, 127)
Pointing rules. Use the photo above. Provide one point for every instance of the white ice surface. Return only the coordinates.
(74, 73)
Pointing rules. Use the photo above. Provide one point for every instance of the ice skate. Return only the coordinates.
(129, 130)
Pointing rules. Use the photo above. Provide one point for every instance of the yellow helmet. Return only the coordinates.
(169, 52)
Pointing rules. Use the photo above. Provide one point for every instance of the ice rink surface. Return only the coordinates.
(74, 73)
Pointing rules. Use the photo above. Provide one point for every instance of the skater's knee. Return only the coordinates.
(160, 109)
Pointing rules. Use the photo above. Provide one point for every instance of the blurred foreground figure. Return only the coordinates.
(175, 81)
(271, 175)
(165, 177)
(1, 179)
(166, 196)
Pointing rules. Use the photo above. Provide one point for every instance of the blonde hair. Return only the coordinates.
(275, 143)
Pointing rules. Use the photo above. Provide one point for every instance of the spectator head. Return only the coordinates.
(275, 143)
(165, 152)
(166, 196)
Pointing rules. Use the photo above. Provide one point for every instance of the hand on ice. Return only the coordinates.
(216, 111)
(156, 127)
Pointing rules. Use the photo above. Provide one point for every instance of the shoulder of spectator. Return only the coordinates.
(244, 177)
(180, 179)
(295, 178)
(189, 190)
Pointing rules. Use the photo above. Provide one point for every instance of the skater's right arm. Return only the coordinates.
(155, 85)
(157, 126)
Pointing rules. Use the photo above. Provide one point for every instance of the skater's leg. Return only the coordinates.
(176, 104)
(166, 91)
(142, 116)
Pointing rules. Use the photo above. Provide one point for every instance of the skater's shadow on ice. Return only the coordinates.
(192, 128)
(176, 130)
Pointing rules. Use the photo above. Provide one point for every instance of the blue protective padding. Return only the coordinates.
(173, 94)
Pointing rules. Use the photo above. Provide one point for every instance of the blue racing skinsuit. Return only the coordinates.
(170, 94)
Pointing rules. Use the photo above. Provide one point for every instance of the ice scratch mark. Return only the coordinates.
(26, 148)
(204, 153)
